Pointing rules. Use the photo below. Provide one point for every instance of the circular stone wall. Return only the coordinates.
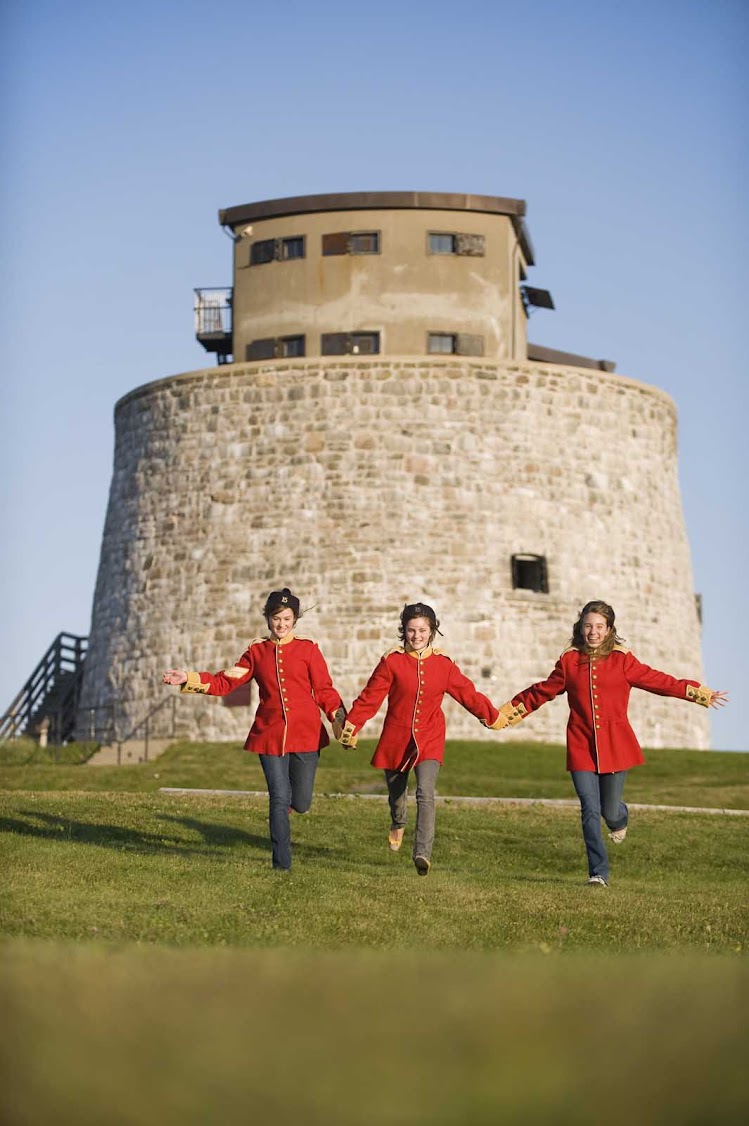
(365, 484)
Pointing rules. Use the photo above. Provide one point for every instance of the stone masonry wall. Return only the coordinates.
(367, 483)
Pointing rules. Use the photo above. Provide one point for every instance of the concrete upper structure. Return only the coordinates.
(391, 273)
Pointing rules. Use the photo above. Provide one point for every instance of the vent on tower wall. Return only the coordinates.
(529, 573)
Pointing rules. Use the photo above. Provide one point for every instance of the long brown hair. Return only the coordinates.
(612, 638)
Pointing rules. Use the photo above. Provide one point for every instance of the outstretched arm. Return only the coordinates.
(662, 684)
(367, 703)
(462, 689)
(212, 684)
(533, 698)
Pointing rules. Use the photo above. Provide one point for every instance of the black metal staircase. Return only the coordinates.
(49, 699)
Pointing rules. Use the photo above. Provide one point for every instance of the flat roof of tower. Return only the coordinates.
(378, 201)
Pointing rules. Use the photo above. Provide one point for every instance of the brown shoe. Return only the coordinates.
(422, 865)
(395, 839)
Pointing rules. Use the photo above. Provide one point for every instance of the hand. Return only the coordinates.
(338, 721)
(175, 676)
(718, 700)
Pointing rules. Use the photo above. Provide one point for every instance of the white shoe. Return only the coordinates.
(618, 835)
(597, 882)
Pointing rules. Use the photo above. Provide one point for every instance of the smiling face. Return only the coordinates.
(595, 630)
(418, 634)
(281, 624)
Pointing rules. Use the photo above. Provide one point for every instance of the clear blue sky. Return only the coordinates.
(126, 126)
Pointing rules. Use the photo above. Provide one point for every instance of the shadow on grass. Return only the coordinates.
(56, 828)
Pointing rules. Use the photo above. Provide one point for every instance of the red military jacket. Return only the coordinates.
(294, 685)
(415, 684)
(599, 737)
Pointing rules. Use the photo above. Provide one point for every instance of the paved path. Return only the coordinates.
(561, 802)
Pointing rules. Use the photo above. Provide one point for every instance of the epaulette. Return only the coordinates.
(442, 653)
(257, 641)
(395, 649)
(621, 649)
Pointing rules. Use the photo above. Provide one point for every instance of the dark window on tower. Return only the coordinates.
(351, 242)
(276, 347)
(262, 349)
(263, 251)
(529, 573)
(276, 250)
(445, 242)
(291, 346)
(458, 343)
(350, 343)
(292, 247)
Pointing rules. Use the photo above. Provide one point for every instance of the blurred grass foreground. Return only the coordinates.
(155, 970)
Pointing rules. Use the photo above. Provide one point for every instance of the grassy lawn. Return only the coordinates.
(155, 970)
(142, 1036)
(693, 778)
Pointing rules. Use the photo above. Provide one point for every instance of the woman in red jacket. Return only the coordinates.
(287, 732)
(415, 678)
(597, 673)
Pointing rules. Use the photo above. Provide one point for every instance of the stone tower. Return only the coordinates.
(379, 430)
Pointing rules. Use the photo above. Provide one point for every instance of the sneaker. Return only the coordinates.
(597, 882)
(395, 839)
(422, 865)
(618, 835)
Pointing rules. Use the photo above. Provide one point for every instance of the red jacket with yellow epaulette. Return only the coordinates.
(599, 736)
(415, 685)
(294, 686)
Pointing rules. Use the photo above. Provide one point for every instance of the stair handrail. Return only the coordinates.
(168, 701)
(21, 709)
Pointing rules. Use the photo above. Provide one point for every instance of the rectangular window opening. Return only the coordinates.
(529, 572)
(277, 250)
(350, 343)
(441, 343)
(446, 242)
(351, 242)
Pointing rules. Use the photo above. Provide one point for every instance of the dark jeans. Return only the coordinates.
(600, 797)
(397, 783)
(290, 780)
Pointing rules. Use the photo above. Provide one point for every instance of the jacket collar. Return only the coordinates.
(283, 640)
(422, 655)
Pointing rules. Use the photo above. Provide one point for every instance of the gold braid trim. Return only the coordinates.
(348, 735)
(513, 714)
(235, 672)
(500, 722)
(702, 695)
(194, 683)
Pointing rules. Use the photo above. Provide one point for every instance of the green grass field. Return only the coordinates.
(156, 970)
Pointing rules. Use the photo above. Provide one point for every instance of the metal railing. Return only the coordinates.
(213, 312)
(48, 702)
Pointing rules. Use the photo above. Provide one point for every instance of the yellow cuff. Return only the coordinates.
(500, 722)
(702, 695)
(348, 735)
(194, 683)
(513, 713)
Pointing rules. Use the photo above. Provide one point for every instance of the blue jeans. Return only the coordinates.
(600, 797)
(290, 780)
